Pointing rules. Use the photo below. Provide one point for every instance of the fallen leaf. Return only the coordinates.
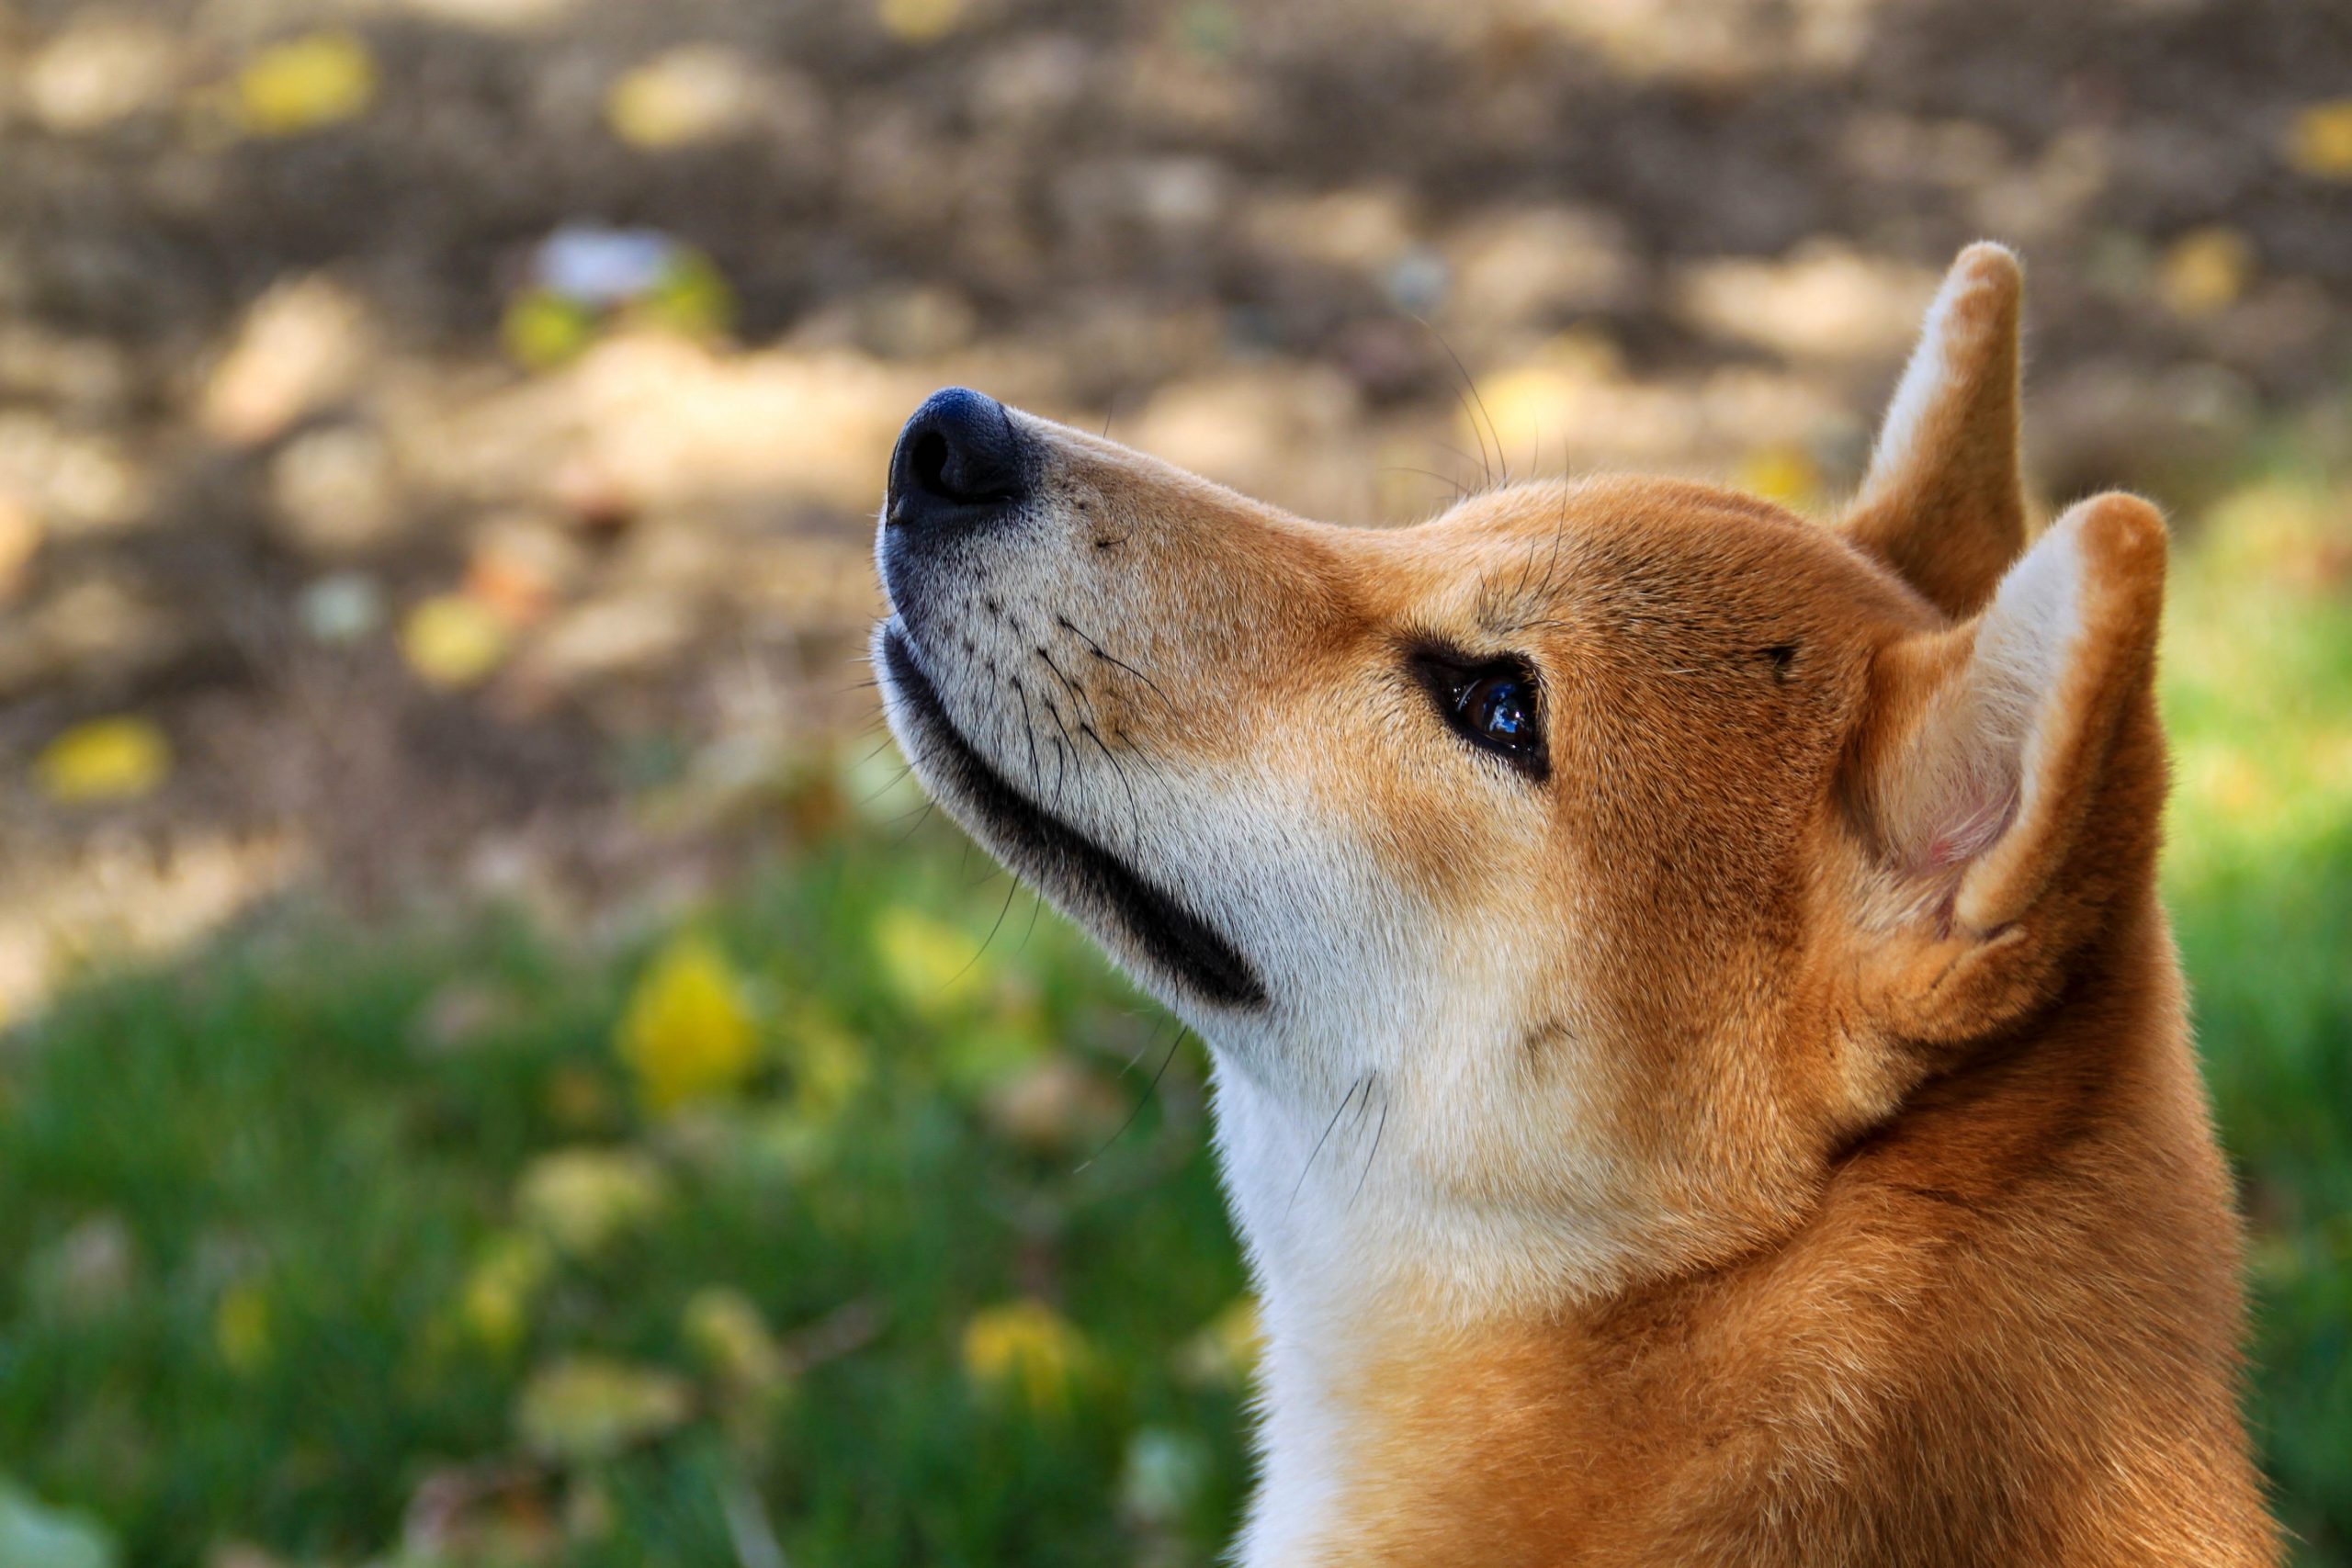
(542, 328)
(243, 1327)
(509, 585)
(1053, 1106)
(2204, 271)
(305, 84)
(687, 1034)
(120, 758)
(828, 1063)
(696, 93)
(1785, 474)
(691, 298)
(20, 539)
(301, 345)
(929, 960)
(495, 1302)
(583, 1200)
(590, 1407)
(1225, 1350)
(453, 641)
(1027, 1350)
(727, 1334)
(2319, 140)
(920, 21)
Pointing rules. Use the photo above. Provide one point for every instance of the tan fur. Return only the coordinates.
(1896, 1230)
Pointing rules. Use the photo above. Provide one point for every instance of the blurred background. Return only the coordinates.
(497, 1066)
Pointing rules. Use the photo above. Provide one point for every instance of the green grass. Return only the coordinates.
(280, 1239)
(278, 1123)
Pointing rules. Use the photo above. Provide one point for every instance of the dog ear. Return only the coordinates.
(1943, 503)
(2008, 781)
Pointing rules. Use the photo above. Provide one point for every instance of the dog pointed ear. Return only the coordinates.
(2008, 781)
(1944, 503)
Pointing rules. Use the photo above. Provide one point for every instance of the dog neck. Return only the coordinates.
(1520, 1385)
(1355, 1268)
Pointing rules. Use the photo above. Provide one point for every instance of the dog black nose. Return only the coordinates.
(959, 452)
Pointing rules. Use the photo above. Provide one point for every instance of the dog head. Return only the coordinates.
(1587, 862)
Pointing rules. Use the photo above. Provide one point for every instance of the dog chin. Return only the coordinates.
(1148, 925)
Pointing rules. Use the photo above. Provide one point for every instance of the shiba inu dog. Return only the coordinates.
(1701, 1072)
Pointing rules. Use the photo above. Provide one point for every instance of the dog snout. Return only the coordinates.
(961, 458)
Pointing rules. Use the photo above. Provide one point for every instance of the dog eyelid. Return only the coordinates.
(1494, 704)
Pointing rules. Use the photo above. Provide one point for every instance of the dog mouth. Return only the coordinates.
(1053, 855)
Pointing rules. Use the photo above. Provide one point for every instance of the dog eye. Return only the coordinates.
(1500, 709)
(1497, 706)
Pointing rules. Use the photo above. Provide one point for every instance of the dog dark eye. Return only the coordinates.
(1497, 706)
(1500, 709)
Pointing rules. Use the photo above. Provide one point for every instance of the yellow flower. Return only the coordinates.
(2319, 140)
(304, 83)
(107, 759)
(582, 1198)
(1026, 1349)
(241, 1328)
(687, 1034)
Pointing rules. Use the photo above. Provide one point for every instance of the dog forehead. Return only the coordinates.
(1527, 555)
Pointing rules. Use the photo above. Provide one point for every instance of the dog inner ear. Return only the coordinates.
(1985, 782)
(1943, 502)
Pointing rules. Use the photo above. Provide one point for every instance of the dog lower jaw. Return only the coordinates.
(1148, 925)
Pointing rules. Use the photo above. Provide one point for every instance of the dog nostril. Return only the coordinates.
(960, 451)
(928, 462)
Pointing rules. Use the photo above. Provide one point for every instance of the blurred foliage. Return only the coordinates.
(357, 1248)
(479, 1245)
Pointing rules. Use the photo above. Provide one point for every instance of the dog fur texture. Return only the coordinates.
(1761, 1129)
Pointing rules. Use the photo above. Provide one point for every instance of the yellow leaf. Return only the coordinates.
(2204, 271)
(828, 1064)
(2319, 140)
(588, 1408)
(693, 93)
(542, 327)
(583, 1198)
(1225, 1351)
(241, 1328)
(691, 298)
(452, 641)
(579, 1098)
(920, 21)
(1027, 1350)
(1785, 474)
(319, 79)
(728, 1335)
(495, 1302)
(120, 758)
(928, 960)
(687, 1034)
